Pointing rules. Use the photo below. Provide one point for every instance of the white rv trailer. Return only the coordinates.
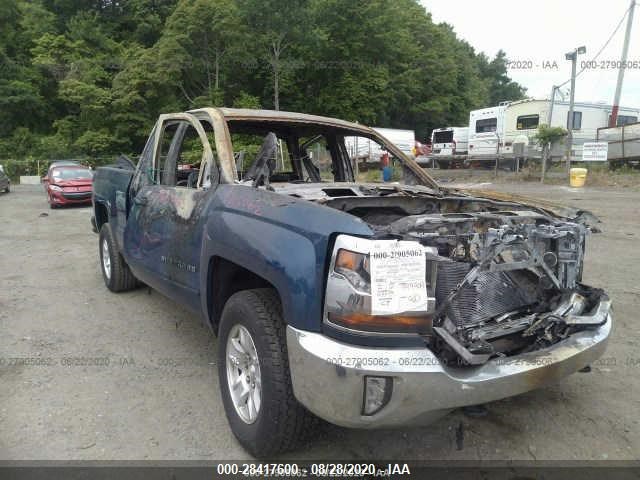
(486, 131)
(369, 150)
(450, 141)
(494, 130)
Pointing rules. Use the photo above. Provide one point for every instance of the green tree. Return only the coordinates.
(547, 137)
(200, 36)
(23, 98)
(277, 29)
(82, 77)
(81, 60)
(501, 87)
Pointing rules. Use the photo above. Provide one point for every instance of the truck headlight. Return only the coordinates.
(384, 286)
(354, 267)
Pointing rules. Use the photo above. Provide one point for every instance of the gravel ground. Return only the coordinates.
(158, 398)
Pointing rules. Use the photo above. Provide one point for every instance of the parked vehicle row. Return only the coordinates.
(494, 131)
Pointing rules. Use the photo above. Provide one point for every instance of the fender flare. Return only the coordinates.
(261, 250)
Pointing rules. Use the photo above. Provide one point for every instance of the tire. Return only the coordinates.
(118, 277)
(281, 422)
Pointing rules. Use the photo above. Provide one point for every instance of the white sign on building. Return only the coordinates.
(595, 151)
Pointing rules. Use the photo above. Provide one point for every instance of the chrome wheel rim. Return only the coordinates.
(243, 374)
(106, 261)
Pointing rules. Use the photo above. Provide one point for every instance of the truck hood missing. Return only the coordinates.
(561, 211)
(509, 269)
(322, 192)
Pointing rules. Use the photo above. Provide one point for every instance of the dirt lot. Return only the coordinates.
(157, 397)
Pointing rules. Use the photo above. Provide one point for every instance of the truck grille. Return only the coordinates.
(490, 295)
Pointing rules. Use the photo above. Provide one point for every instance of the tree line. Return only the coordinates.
(89, 77)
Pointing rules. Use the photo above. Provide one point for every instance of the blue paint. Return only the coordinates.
(284, 240)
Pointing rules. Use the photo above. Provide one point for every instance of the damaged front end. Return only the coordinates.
(503, 278)
(514, 288)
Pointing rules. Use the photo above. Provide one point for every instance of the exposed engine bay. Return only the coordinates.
(508, 275)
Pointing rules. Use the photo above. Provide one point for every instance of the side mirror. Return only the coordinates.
(45, 179)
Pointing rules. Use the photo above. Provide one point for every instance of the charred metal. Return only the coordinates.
(380, 296)
(508, 275)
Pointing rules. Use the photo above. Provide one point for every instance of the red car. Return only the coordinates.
(68, 185)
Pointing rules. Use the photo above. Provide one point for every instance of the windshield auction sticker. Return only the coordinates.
(398, 277)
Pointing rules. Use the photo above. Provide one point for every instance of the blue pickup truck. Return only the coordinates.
(363, 304)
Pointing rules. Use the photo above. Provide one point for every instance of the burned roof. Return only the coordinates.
(275, 120)
(256, 115)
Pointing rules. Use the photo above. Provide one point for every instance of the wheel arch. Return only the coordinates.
(225, 278)
(101, 214)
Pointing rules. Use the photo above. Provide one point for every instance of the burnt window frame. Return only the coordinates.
(144, 173)
(209, 165)
(181, 133)
(296, 133)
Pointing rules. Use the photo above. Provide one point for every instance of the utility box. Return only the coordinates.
(519, 149)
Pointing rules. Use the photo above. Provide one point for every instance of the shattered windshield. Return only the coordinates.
(271, 152)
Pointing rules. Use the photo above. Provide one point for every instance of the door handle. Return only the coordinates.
(141, 200)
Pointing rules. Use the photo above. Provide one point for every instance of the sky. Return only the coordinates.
(537, 34)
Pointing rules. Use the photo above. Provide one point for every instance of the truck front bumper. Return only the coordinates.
(329, 377)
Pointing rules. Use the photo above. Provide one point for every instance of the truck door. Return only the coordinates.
(164, 229)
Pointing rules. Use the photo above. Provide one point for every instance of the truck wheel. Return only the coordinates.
(253, 369)
(115, 272)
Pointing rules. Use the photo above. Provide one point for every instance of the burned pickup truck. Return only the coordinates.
(364, 304)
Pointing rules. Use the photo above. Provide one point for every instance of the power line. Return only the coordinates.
(603, 47)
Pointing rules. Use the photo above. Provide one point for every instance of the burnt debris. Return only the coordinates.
(508, 275)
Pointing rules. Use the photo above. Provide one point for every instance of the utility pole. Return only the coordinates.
(573, 56)
(546, 149)
(552, 101)
(613, 119)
